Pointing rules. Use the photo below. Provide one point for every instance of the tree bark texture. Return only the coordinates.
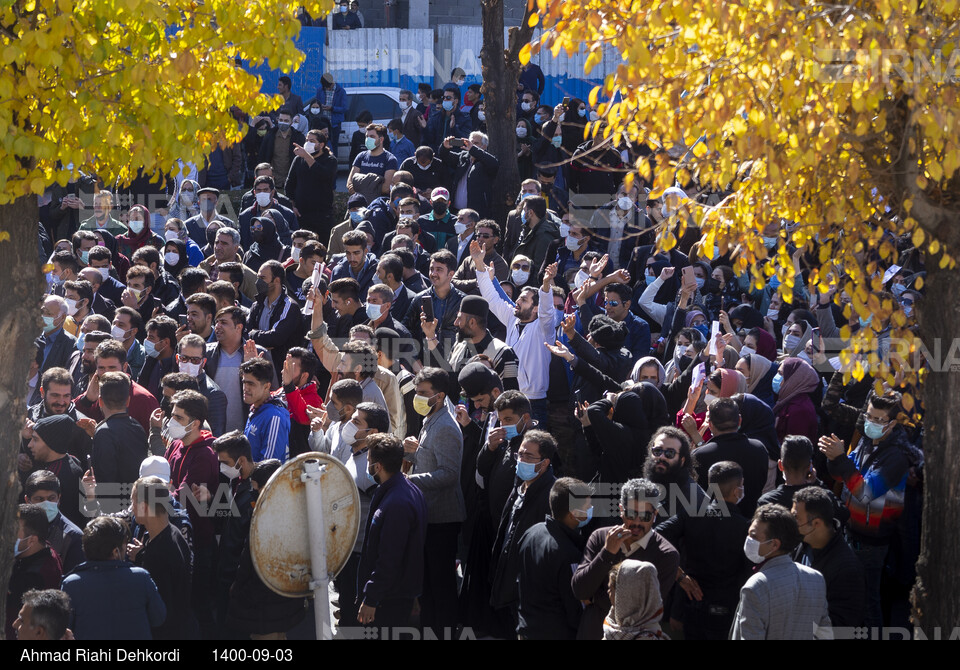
(500, 65)
(936, 594)
(20, 277)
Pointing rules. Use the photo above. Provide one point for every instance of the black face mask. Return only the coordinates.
(262, 287)
(211, 237)
(439, 209)
(166, 406)
(257, 236)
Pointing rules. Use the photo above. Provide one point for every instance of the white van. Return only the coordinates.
(381, 101)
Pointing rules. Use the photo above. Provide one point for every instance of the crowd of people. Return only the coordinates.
(555, 431)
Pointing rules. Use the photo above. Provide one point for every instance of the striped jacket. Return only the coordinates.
(874, 479)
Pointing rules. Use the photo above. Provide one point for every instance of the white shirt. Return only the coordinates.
(534, 357)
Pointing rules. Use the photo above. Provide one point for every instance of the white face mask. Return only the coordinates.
(118, 333)
(263, 199)
(405, 105)
(521, 132)
(709, 398)
(229, 472)
(310, 147)
(175, 431)
(751, 549)
(572, 243)
(482, 116)
(315, 111)
(295, 254)
(520, 276)
(564, 229)
(461, 228)
(746, 351)
(71, 306)
(790, 342)
(681, 350)
(624, 203)
(580, 278)
(171, 258)
(104, 272)
(349, 433)
(192, 369)
(171, 235)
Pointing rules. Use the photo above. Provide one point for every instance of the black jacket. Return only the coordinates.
(513, 524)
(427, 180)
(713, 550)
(103, 306)
(266, 148)
(312, 186)
(613, 365)
(548, 608)
(284, 331)
(749, 454)
(401, 303)
(480, 174)
(446, 331)
(236, 530)
(843, 573)
(63, 347)
(119, 446)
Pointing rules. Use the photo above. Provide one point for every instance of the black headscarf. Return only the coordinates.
(184, 260)
(757, 421)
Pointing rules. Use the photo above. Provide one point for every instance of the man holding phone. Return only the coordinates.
(433, 312)
(474, 170)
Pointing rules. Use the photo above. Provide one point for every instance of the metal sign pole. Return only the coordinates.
(320, 580)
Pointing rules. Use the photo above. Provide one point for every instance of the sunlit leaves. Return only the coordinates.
(110, 85)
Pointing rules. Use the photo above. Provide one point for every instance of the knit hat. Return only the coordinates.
(155, 466)
(365, 227)
(58, 432)
(607, 333)
(476, 379)
(475, 305)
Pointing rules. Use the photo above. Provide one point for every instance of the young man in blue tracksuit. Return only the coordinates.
(268, 425)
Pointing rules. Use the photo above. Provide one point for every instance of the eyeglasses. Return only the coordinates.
(907, 302)
(525, 457)
(666, 453)
(880, 421)
(645, 517)
(612, 303)
(483, 236)
(521, 267)
(195, 360)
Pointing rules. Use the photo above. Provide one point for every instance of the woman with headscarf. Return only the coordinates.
(184, 203)
(138, 232)
(795, 410)
(175, 257)
(795, 338)
(759, 341)
(759, 373)
(648, 369)
(757, 421)
(266, 245)
(174, 229)
(636, 606)
(722, 383)
(525, 148)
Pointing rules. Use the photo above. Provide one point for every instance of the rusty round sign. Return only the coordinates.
(279, 537)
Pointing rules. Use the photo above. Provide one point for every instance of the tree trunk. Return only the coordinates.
(501, 72)
(20, 277)
(936, 594)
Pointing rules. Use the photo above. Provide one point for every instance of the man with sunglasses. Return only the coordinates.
(487, 234)
(670, 464)
(616, 302)
(635, 538)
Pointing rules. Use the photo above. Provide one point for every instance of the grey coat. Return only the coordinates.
(436, 470)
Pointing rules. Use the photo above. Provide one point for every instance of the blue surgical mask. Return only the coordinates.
(539, 118)
(898, 289)
(526, 471)
(48, 323)
(584, 522)
(774, 283)
(85, 257)
(699, 281)
(370, 143)
(557, 317)
(704, 330)
(556, 140)
(374, 311)
(51, 509)
(872, 430)
(649, 279)
(908, 310)
(511, 431)
(582, 112)
(523, 215)
(775, 384)
(448, 105)
(80, 341)
(356, 217)
(769, 241)
(864, 323)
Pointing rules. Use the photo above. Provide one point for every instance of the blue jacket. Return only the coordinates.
(268, 430)
(391, 561)
(638, 336)
(113, 600)
(339, 103)
(438, 128)
(366, 278)
(403, 149)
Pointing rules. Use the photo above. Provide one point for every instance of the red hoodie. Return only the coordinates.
(297, 401)
(195, 463)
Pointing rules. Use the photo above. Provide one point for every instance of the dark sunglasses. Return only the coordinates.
(645, 517)
(667, 453)
(612, 303)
